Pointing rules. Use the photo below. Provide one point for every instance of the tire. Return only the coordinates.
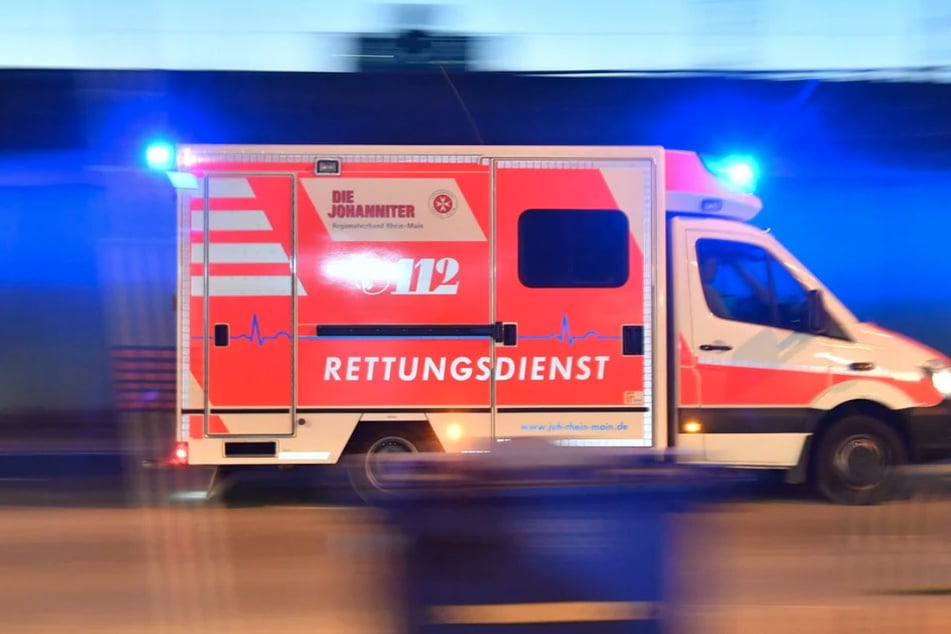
(365, 451)
(858, 460)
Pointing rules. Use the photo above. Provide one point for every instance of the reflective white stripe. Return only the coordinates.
(246, 286)
(408, 158)
(303, 455)
(241, 253)
(232, 221)
(764, 365)
(603, 442)
(907, 376)
(836, 368)
(229, 187)
(568, 164)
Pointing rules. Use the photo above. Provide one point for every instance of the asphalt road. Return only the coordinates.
(98, 546)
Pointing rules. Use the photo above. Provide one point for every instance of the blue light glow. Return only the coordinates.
(739, 173)
(183, 180)
(160, 156)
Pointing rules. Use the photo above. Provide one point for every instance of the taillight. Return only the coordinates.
(181, 453)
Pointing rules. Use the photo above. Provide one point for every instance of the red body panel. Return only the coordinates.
(414, 267)
(577, 326)
(733, 386)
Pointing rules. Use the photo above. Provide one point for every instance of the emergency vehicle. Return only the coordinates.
(340, 300)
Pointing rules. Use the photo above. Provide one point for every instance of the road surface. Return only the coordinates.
(90, 559)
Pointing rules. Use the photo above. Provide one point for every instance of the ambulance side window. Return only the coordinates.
(743, 282)
(790, 297)
(566, 248)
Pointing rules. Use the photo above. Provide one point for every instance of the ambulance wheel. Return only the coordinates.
(858, 460)
(370, 447)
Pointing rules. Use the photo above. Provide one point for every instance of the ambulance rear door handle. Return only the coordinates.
(222, 335)
(632, 340)
(506, 334)
(715, 347)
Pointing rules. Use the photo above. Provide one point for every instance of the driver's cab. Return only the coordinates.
(757, 330)
(771, 369)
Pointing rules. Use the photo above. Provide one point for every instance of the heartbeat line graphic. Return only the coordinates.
(565, 336)
(256, 336)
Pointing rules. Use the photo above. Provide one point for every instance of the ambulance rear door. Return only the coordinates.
(573, 290)
(238, 322)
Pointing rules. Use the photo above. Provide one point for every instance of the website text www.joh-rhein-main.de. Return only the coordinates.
(573, 427)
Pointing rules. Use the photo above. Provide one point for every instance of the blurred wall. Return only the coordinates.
(855, 182)
(529, 35)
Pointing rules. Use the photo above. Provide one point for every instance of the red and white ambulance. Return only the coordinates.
(364, 299)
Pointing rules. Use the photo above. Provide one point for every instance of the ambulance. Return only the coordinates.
(354, 301)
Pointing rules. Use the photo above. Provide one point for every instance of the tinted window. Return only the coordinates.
(573, 249)
(743, 282)
(790, 297)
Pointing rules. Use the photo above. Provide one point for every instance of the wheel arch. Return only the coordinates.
(857, 407)
(419, 431)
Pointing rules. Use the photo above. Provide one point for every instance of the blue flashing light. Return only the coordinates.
(738, 173)
(160, 156)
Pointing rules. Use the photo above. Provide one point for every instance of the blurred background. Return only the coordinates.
(845, 105)
(847, 110)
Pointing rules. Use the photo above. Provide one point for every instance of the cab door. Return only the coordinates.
(749, 369)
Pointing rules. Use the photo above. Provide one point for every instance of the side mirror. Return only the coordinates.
(815, 312)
